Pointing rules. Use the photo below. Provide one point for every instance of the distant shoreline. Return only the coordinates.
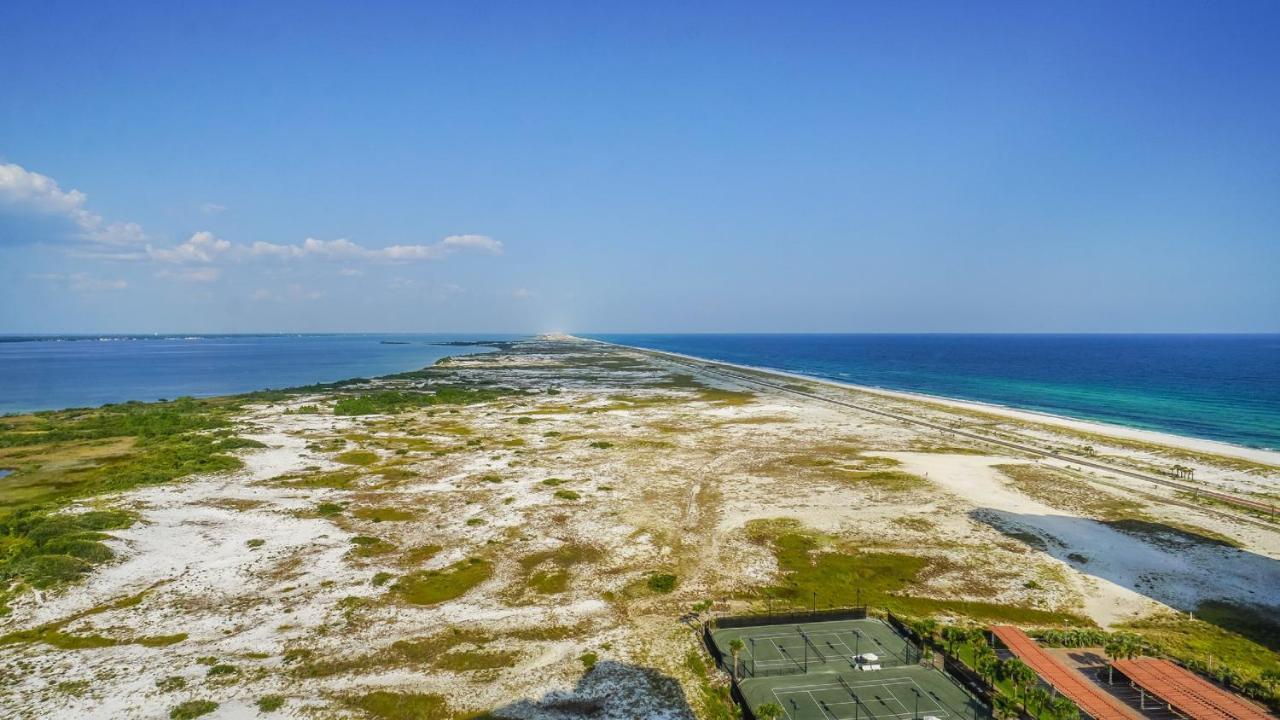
(1183, 442)
(60, 374)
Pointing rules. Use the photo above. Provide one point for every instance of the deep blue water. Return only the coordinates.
(43, 373)
(1220, 387)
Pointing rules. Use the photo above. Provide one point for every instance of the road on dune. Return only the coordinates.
(726, 372)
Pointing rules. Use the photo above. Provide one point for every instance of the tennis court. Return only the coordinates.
(909, 692)
(833, 645)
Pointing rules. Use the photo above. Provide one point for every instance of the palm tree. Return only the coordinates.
(927, 629)
(1117, 646)
(1022, 677)
(1064, 709)
(986, 665)
(1004, 707)
(1269, 679)
(952, 634)
(735, 647)
(1039, 697)
(978, 637)
(769, 711)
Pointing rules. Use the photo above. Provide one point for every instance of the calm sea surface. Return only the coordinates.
(1220, 387)
(46, 373)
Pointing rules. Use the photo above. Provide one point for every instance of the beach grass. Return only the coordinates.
(816, 568)
(436, 586)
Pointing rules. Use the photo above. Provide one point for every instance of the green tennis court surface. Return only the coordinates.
(892, 693)
(842, 670)
(833, 645)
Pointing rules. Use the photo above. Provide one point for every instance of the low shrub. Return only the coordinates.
(192, 709)
(661, 583)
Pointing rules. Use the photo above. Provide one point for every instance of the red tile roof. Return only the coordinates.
(1099, 704)
(1188, 693)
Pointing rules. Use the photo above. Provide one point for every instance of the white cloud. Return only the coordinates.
(117, 234)
(195, 275)
(343, 249)
(476, 242)
(39, 193)
(524, 294)
(203, 247)
(24, 191)
(31, 197)
(311, 247)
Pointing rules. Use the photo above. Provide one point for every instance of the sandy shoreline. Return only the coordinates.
(1183, 442)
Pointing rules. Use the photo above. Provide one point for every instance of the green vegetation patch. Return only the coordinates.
(549, 571)
(74, 453)
(389, 402)
(430, 587)
(270, 703)
(661, 583)
(154, 641)
(43, 549)
(357, 457)
(336, 480)
(384, 514)
(726, 397)
(712, 699)
(192, 709)
(1195, 640)
(61, 456)
(368, 546)
(53, 634)
(465, 660)
(385, 705)
(886, 480)
(420, 554)
(1062, 491)
(815, 565)
(171, 683)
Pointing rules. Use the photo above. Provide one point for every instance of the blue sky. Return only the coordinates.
(1053, 167)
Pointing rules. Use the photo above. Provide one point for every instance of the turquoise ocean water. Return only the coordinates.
(1219, 387)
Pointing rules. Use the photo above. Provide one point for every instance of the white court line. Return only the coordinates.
(808, 690)
(817, 640)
